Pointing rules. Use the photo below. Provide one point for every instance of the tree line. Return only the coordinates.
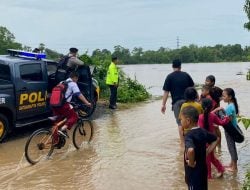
(188, 54)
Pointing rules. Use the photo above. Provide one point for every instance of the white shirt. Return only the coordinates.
(72, 90)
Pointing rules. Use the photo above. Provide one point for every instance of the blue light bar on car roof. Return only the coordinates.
(21, 53)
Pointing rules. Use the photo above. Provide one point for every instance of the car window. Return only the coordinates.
(51, 67)
(4, 72)
(31, 72)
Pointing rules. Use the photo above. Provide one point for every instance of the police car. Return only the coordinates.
(26, 80)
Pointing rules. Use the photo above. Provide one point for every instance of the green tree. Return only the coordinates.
(27, 48)
(7, 40)
(51, 54)
(41, 47)
(247, 11)
(122, 53)
(136, 55)
(163, 55)
(205, 54)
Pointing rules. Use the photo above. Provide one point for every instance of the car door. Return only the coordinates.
(31, 89)
(86, 87)
(85, 82)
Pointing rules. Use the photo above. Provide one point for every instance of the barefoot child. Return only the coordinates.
(196, 140)
(215, 91)
(207, 121)
(205, 93)
(191, 96)
(232, 110)
(216, 94)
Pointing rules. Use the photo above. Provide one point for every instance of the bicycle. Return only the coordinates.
(42, 142)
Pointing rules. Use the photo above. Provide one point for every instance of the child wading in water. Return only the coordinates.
(205, 93)
(196, 150)
(216, 94)
(191, 97)
(232, 110)
(207, 121)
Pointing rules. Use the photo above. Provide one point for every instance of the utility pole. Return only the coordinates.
(178, 42)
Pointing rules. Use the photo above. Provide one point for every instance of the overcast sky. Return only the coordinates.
(150, 24)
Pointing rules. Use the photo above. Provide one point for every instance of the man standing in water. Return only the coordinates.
(175, 84)
(112, 81)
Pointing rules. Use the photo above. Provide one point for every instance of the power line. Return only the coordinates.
(178, 42)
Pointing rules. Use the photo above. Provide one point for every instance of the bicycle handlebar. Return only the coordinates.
(76, 105)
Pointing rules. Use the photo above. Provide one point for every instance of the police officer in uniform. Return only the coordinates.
(112, 81)
(73, 60)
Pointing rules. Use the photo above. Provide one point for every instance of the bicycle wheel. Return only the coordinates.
(83, 133)
(39, 146)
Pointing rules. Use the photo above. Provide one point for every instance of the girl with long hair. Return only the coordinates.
(207, 121)
(232, 110)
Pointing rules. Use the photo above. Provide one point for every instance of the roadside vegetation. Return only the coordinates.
(246, 123)
(130, 90)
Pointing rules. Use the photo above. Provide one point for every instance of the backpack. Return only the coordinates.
(57, 98)
(63, 62)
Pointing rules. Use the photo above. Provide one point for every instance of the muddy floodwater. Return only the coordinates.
(133, 148)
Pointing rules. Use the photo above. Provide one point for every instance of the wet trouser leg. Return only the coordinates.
(218, 165)
(211, 159)
(113, 95)
(231, 147)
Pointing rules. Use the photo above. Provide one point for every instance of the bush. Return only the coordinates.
(131, 91)
(246, 185)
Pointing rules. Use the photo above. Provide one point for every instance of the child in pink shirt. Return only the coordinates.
(207, 121)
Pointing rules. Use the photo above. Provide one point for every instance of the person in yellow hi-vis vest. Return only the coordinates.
(112, 81)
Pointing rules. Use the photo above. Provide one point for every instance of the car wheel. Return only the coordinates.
(4, 127)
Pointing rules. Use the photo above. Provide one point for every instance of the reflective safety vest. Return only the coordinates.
(112, 75)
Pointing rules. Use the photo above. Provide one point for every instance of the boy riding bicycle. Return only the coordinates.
(66, 110)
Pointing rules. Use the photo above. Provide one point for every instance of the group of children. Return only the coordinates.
(202, 134)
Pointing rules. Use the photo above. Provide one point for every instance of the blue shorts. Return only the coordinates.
(176, 108)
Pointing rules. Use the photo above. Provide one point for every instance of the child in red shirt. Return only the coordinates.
(207, 121)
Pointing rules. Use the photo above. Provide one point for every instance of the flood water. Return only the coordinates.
(134, 148)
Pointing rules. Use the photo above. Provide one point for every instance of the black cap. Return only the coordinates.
(176, 63)
(114, 58)
(36, 50)
(73, 50)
